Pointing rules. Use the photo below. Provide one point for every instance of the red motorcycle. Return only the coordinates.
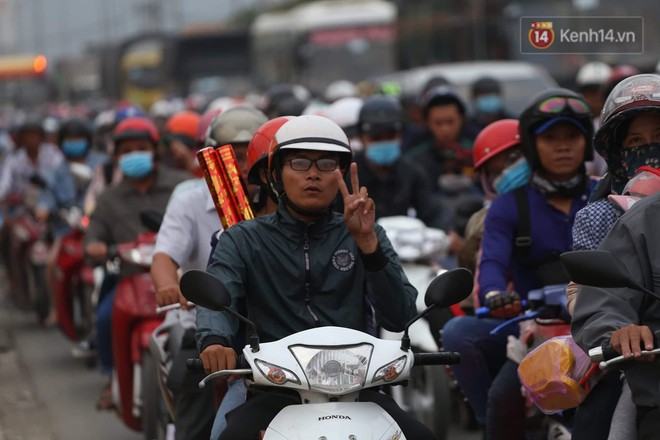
(75, 294)
(136, 389)
(29, 244)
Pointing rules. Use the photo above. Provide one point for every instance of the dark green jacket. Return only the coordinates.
(264, 262)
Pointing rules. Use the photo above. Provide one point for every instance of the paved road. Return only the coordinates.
(46, 394)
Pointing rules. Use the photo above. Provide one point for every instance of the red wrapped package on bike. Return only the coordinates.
(557, 375)
(218, 183)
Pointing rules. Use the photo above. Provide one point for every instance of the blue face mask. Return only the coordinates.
(489, 104)
(137, 164)
(384, 152)
(514, 176)
(74, 147)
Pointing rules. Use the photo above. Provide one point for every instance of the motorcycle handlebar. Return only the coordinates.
(195, 364)
(606, 356)
(442, 358)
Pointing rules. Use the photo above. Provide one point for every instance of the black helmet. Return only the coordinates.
(484, 85)
(380, 114)
(632, 96)
(441, 95)
(33, 124)
(75, 128)
(547, 108)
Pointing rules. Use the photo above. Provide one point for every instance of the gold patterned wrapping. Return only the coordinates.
(228, 159)
(216, 179)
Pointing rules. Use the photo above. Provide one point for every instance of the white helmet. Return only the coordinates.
(309, 132)
(162, 108)
(339, 89)
(345, 111)
(593, 73)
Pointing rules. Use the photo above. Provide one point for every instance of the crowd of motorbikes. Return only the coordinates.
(146, 338)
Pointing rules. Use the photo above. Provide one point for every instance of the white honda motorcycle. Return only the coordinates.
(329, 366)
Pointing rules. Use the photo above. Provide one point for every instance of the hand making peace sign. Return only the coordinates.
(359, 211)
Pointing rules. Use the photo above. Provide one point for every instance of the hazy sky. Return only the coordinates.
(65, 27)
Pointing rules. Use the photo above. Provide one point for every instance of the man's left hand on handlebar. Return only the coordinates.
(503, 305)
(628, 341)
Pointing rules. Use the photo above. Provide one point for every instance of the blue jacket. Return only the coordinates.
(550, 230)
(263, 261)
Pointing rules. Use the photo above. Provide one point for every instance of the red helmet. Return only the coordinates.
(135, 128)
(495, 138)
(204, 124)
(259, 148)
(183, 123)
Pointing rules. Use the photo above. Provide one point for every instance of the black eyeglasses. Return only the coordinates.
(304, 164)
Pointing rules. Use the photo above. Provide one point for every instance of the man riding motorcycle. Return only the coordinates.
(346, 259)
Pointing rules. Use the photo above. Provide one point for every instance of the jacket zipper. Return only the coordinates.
(308, 280)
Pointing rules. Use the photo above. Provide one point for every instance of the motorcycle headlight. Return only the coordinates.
(276, 374)
(334, 370)
(391, 371)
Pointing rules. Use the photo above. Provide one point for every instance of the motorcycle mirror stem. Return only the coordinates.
(599, 268)
(445, 290)
(207, 291)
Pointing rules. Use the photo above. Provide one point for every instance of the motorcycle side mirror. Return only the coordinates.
(447, 289)
(599, 268)
(151, 219)
(207, 291)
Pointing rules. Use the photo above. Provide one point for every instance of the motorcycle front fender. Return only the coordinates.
(333, 420)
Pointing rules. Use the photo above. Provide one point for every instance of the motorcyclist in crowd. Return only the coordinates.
(525, 231)
(262, 261)
(32, 160)
(179, 141)
(415, 129)
(627, 318)
(487, 103)
(449, 154)
(397, 184)
(501, 168)
(33, 157)
(184, 243)
(447, 157)
(628, 139)
(66, 187)
(146, 185)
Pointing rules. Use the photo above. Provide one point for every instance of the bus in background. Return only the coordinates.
(143, 69)
(316, 43)
(24, 81)
(211, 62)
